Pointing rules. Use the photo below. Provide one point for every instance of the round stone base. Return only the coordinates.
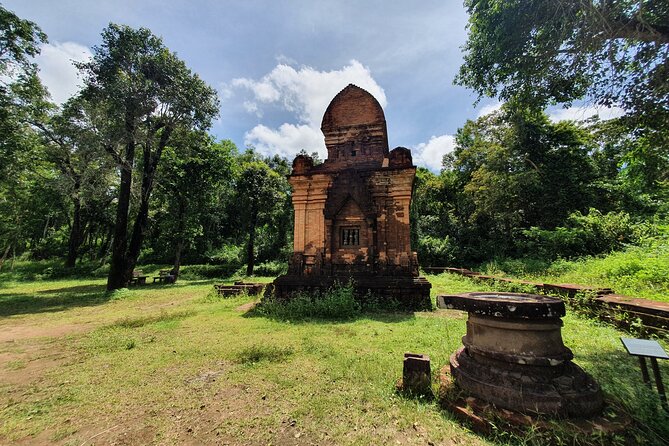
(561, 391)
(485, 417)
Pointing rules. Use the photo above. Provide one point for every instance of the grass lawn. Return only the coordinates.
(637, 271)
(172, 364)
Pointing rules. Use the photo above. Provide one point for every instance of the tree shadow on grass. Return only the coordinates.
(75, 289)
(52, 300)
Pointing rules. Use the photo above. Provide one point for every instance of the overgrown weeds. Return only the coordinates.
(259, 353)
(337, 303)
(638, 271)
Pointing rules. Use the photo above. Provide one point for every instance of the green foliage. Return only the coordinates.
(637, 271)
(436, 250)
(544, 51)
(338, 303)
(511, 170)
(19, 41)
(262, 204)
(590, 234)
(30, 270)
(26, 183)
(229, 254)
(193, 272)
(193, 171)
(271, 268)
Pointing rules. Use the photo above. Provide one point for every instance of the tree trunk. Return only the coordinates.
(250, 246)
(118, 271)
(4, 256)
(181, 243)
(46, 228)
(75, 231)
(142, 220)
(177, 259)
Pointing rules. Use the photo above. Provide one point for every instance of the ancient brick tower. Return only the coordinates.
(352, 211)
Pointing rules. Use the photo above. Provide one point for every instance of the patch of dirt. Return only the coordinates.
(442, 313)
(15, 333)
(208, 376)
(28, 366)
(27, 352)
(246, 307)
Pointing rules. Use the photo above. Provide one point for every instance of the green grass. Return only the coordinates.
(638, 271)
(174, 364)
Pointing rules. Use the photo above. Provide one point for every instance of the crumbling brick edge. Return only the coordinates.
(633, 314)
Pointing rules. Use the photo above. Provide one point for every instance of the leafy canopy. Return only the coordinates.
(547, 51)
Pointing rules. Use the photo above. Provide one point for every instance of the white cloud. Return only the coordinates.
(287, 140)
(57, 71)
(252, 107)
(430, 154)
(306, 93)
(489, 108)
(584, 112)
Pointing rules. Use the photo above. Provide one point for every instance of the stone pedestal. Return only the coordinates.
(513, 356)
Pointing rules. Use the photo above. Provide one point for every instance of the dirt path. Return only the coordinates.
(33, 344)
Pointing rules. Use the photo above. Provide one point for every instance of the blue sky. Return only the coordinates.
(277, 64)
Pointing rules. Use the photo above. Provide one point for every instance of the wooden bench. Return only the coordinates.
(138, 277)
(165, 275)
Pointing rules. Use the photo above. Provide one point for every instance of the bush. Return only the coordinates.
(435, 251)
(590, 234)
(50, 270)
(227, 255)
(337, 303)
(195, 272)
(272, 268)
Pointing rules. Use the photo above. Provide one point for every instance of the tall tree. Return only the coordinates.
(23, 100)
(147, 93)
(542, 51)
(75, 146)
(188, 181)
(517, 170)
(259, 192)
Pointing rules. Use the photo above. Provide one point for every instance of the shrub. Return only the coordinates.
(436, 251)
(272, 268)
(50, 270)
(194, 272)
(336, 303)
(590, 234)
(227, 255)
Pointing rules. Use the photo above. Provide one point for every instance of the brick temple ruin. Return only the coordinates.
(352, 211)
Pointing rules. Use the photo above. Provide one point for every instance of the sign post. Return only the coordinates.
(646, 348)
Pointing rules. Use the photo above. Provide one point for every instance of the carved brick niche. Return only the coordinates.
(352, 211)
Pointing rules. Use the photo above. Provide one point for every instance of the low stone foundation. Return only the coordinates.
(412, 293)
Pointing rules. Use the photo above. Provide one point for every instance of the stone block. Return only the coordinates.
(416, 374)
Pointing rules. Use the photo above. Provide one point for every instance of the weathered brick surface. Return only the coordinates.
(361, 186)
